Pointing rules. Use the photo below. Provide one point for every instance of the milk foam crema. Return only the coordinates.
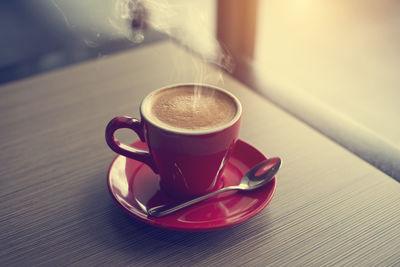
(191, 108)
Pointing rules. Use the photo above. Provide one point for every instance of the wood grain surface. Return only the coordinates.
(330, 207)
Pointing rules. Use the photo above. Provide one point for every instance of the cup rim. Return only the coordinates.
(188, 131)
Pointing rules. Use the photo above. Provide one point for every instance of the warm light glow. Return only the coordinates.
(345, 53)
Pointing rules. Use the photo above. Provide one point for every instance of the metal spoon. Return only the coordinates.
(258, 176)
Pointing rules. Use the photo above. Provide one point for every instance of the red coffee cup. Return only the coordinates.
(189, 162)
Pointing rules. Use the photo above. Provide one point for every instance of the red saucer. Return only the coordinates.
(135, 188)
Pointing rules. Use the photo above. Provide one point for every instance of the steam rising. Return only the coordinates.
(192, 23)
(182, 20)
(130, 18)
(191, 26)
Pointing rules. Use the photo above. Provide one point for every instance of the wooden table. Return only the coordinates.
(330, 207)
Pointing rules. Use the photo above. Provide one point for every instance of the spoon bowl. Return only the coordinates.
(260, 175)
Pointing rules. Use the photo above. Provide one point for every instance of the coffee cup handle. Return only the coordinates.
(125, 150)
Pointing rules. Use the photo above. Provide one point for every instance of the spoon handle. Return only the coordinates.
(163, 210)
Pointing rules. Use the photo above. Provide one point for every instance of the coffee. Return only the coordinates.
(191, 108)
